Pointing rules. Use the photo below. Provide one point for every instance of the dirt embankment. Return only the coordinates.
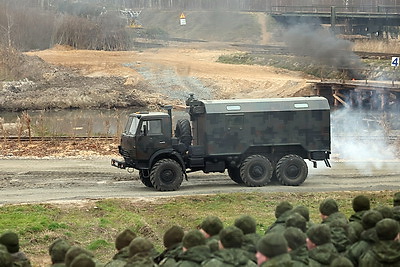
(65, 78)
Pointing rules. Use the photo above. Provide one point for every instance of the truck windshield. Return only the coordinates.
(131, 125)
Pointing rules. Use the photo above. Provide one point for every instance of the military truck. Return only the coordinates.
(254, 140)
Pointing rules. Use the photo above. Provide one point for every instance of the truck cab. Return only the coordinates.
(144, 135)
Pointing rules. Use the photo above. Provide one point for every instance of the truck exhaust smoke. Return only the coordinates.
(324, 48)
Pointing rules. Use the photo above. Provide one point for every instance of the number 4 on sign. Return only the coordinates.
(395, 61)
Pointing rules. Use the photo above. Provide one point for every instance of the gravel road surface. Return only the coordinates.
(69, 180)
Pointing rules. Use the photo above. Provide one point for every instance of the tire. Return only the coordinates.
(183, 132)
(234, 174)
(166, 175)
(256, 170)
(291, 170)
(145, 179)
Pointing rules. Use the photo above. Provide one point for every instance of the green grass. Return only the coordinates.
(94, 225)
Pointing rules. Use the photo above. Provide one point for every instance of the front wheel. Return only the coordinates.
(166, 175)
(291, 170)
(234, 174)
(256, 170)
(145, 179)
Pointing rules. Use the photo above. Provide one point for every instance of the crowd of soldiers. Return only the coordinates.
(369, 237)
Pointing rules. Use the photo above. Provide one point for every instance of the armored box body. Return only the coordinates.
(232, 127)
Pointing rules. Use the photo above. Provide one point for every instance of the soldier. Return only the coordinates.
(396, 199)
(297, 246)
(337, 223)
(304, 211)
(296, 220)
(385, 210)
(367, 238)
(172, 242)
(360, 204)
(282, 212)
(210, 227)
(83, 260)
(141, 253)
(272, 250)
(341, 261)
(75, 251)
(386, 252)
(195, 250)
(11, 241)
(5, 257)
(57, 251)
(122, 242)
(321, 251)
(248, 226)
(230, 253)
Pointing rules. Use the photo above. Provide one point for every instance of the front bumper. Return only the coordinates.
(118, 164)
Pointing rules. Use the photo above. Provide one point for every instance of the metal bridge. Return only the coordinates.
(342, 19)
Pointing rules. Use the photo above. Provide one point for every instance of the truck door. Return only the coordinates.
(150, 138)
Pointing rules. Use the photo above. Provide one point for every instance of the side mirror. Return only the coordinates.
(145, 130)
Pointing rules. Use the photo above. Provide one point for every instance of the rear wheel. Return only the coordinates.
(256, 170)
(234, 174)
(166, 175)
(291, 170)
(145, 179)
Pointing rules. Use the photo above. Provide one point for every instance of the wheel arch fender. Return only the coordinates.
(167, 153)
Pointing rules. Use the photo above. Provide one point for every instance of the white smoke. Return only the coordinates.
(359, 138)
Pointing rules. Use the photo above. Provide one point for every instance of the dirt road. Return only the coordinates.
(68, 180)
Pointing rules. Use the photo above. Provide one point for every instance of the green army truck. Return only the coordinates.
(254, 140)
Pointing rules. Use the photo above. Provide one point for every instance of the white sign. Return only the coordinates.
(182, 19)
(395, 62)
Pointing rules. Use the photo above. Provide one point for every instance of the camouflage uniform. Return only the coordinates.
(296, 240)
(337, 223)
(248, 225)
(5, 257)
(360, 204)
(304, 211)
(11, 241)
(57, 251)
(212, 225)
(275, 248)
(231, 239)
(368, 237)
(172, 242)
(282, 212)
(141, 253)
(324, 252)
(386, 252)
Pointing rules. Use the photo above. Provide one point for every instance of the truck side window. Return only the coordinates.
(234, 122)
(153, 127)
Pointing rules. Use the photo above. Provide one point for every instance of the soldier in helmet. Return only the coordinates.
(141, 253)
(396, 199)
(210, 227)
(386, 251)
(321, 251)
(122, 242)
(248, 226)
(57, 251)
(5, 257)
(368, 236)
(296, 240)
(195, 250)
(11, 241)
(337, 223)
(272, 250)
(230, 252)
(172, 242)
(282, 212)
